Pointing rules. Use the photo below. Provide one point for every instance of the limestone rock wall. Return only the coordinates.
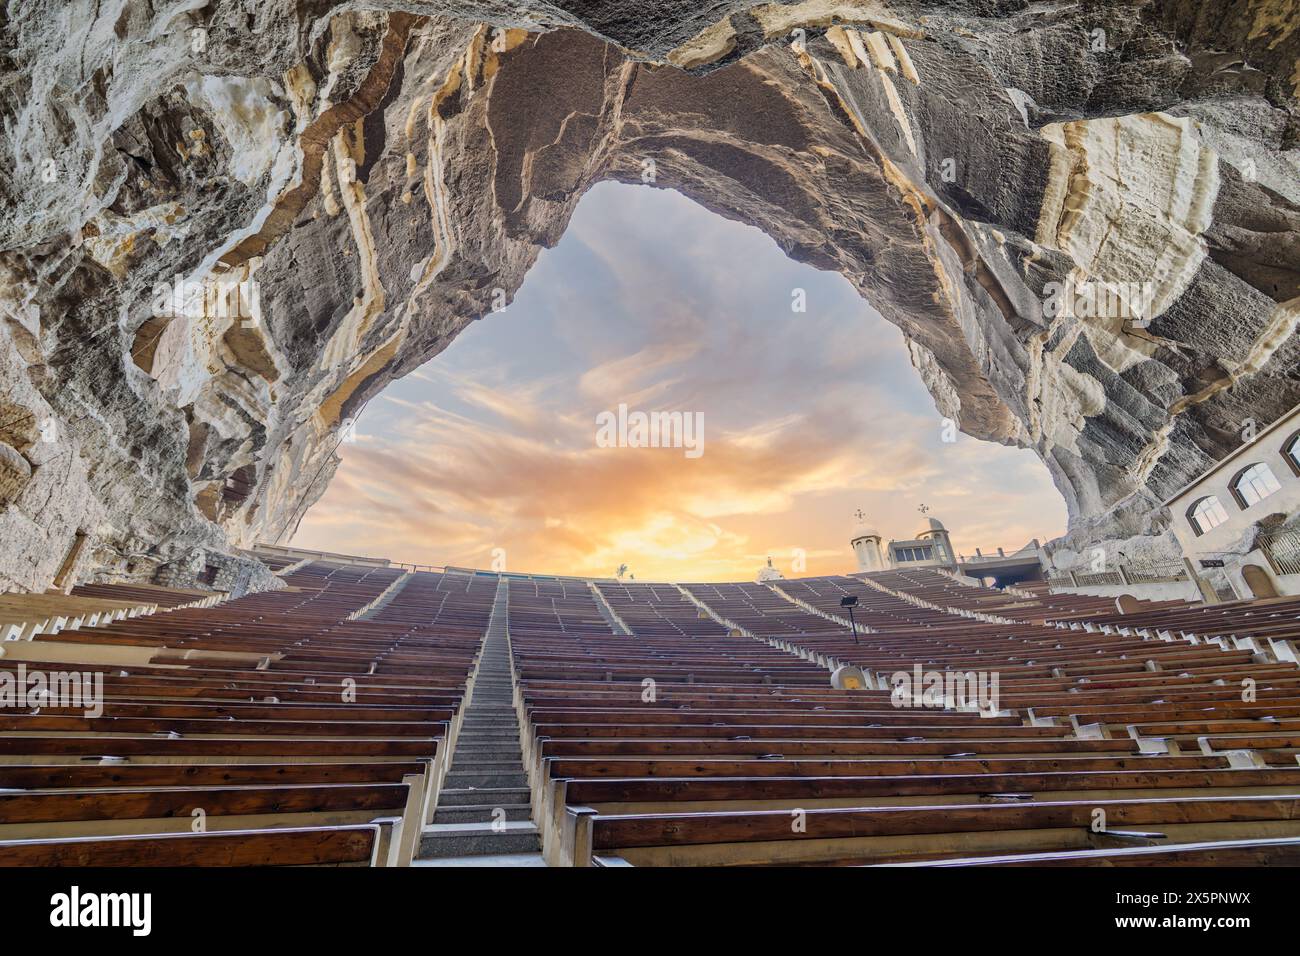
(228, 226)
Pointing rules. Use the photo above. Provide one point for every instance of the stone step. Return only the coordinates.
(499, 752)
(476, 796)
(499, 729)
(459, 779)
(473, 764)
(481, 813)
(490, 717)
(475, 839)
(492, 742)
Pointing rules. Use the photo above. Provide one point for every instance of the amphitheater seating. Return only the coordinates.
(554, 605)
(710, 767)
(877, 834)
(279, 711)
(23, 616)
(758, 610)
(313, 725)
(657, 610)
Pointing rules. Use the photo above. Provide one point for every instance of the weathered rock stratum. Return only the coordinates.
(228, 225)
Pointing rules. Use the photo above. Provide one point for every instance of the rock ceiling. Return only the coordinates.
(228, 225)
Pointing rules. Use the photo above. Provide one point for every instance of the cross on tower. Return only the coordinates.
(924, 509)
(859, 515)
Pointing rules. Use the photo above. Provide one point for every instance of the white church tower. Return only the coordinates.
(938, 534)
(866, 546)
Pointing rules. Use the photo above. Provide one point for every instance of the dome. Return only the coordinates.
(864, 531)
(935, 525)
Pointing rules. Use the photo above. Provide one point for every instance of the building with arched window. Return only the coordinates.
(1254, 483)
(1239, 522)
(1291, 452)
(1206, 514)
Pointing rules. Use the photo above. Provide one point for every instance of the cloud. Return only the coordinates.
(611, 380)
(806, 418)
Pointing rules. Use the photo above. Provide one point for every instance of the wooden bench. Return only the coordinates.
(366, 845)
(881, 834)
(111, 812)
(1281, 851)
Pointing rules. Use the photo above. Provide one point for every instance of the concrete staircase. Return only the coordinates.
(484, 816)
(385, 599)
(613, 620)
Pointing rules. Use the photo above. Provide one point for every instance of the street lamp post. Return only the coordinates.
(850, 602)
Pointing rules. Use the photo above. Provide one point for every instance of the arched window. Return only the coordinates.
(1253, 484)
(1291, 452)
(1206, 513)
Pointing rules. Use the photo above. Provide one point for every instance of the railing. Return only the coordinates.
(1099, 577)
(1154, 573)
(1150, 573)
(1282, 548)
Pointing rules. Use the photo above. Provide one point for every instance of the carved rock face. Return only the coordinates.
(226, 231)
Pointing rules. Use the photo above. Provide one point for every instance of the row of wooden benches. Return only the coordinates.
(714, 749)
(270, 730)
(280, 722)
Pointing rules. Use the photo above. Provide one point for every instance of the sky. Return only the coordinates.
(489, 455)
